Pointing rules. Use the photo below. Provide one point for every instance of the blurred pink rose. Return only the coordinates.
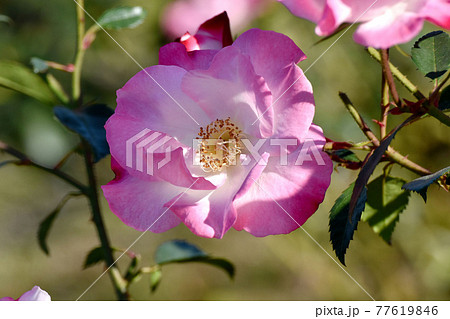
(384, 23)
(183, 16)
(35, 294)
(249, 92)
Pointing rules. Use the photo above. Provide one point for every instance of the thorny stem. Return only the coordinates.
(384, 105)
(119, 283)
(25, 160)
(388, 76)
(398, 75)
(358, 119)
(392, 154)
(405, 162)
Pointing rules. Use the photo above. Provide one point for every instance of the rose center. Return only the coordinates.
(220, 145)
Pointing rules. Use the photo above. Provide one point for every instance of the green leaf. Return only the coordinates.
(372, 162)
(431, 54)
(179, 251)
(89, 123)
(39, 65)
(155, 279)
(342, 227)
(420, 185)
(95, 256)
(386, 200)
(122, 17)
(222, 263)
(444, 100)
(346, 158)
(346, 155)
(16, 76)
(46, 224)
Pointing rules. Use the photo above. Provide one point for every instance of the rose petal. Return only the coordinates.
(140, 203)
(230, 88)
(215, 33)
(211, 213)
(150, 155)
(35, 294)
(153, 96)
(282, 192)
(175, 54)
(293, 101)
(306, 9)
(388, 30)
(438, 12)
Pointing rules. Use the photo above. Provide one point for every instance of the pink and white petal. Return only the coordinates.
(140, 203)
(175, 54)
(294, 107)
(293, 101)
(307, 9)
(150, 155)
(215, 33)
(212, 214)
(271, 53)
(230, 88)
(35, 294)
(153, 96)
(388, 30)
(438, 12)
(339, 11)
(284, 197)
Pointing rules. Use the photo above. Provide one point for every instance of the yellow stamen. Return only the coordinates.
(220, 145)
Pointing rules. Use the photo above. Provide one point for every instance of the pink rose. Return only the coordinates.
(183, 16)
(383, 23)
(238, 104)
(35, 294)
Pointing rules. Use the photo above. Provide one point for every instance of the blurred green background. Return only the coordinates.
(285, 267)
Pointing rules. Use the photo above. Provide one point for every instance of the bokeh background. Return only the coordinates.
(285, 267)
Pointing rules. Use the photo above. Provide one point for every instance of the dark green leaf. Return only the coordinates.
(444, 100)
(95, 256)
(226, 265)
(431, 54)
(46, 224)
(346, 155)
(179, 251)
(89, 123)
(420, 185)
(342, 227)
(371, 164)
(122, 17)
(155, 279)
(385, 201)
(44, 228)
(39, 65)
(18, 77)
